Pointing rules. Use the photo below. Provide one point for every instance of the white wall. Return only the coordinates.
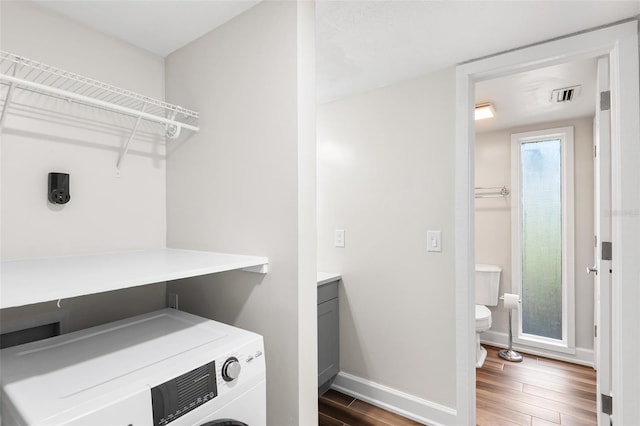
(244, 184)
(105, 212)
(385, 176)
(493, 217)
(42, 135)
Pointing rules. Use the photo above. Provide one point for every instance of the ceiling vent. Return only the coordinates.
(566, 94)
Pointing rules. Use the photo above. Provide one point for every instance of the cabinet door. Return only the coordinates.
(328, 341)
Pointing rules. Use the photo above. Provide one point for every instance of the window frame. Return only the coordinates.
(565, 135)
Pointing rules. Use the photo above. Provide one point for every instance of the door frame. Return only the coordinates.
(620, 42)
(602, 231)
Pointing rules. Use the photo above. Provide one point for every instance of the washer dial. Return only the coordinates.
(231, 369)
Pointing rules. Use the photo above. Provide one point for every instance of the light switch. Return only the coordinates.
(338, 238)
(434, 241)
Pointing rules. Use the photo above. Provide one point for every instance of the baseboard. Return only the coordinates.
(412, 407)
(582, 356)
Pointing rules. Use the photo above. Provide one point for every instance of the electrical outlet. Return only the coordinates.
(338, 238)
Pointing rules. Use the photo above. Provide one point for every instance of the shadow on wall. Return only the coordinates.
(206, 295)
(94, 309)
(56, 120)
(349, 333)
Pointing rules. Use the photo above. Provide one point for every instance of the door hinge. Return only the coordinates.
(595, 241)
(607, 404)
(606, 250)
(595, 331)
(595, 151)
(605, 100)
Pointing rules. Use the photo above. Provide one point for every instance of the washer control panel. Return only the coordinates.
(176, 397)
(238, 366)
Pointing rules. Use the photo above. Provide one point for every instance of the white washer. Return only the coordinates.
(162, 368)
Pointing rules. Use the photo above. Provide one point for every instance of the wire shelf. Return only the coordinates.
(24, 71)
(18, 72)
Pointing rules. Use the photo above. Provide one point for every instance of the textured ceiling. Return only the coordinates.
(362, 45)
(368, 44)
(159, 26)
(525, 98)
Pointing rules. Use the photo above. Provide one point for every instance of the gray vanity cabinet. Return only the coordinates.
(328, 335)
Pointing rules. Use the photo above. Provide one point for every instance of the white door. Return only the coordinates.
(602, 262)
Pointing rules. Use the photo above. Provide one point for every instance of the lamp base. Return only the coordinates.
(510, 355)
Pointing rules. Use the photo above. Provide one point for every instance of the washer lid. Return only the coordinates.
(74, 365)
(66, 372)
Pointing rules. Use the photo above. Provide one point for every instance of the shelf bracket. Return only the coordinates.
(7, 101)
(258, 269)
(125, 147)
(173, 130)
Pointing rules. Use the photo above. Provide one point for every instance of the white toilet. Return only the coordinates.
(487, 288)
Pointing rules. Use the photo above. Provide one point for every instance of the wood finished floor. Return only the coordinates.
(535, 392)
(338, 409)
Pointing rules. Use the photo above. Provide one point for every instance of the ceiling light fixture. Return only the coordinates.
(484, 111)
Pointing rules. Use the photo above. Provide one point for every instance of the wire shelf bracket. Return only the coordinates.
(18, 72)
(125, 147)
(7, 101)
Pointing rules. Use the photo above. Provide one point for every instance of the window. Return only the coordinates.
(542, 238)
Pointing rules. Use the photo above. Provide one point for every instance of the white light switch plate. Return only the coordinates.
(434, 240)
(338, 238)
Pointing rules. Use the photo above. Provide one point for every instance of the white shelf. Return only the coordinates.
(40, 280)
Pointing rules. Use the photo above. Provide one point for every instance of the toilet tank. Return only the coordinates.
(487, 284)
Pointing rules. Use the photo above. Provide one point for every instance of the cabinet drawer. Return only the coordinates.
(327, 292)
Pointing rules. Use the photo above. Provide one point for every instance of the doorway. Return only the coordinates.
(538, 229)
(620, 42)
